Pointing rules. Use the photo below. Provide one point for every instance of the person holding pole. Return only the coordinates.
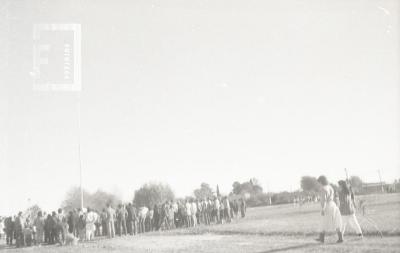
(347, 208)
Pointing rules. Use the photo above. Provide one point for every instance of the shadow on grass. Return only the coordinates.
(294, 247)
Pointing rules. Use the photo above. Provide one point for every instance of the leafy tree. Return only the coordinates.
(237, 188)
(253, 190)
(153, 193)
(100, 199)
(282, 198)
(309, 184)
(97, 200)
(356, 183)
(204, 191)
(72, 199)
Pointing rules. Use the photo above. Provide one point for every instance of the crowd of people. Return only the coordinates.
(337, 210)
(125, 219)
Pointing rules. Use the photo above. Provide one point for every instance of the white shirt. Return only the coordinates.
(194, 208)
(188, 209)
(217, 204)
(143, 212)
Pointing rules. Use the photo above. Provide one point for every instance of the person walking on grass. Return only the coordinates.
(331, 218)
(347, 208)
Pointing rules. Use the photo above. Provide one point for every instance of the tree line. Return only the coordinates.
(153, 193)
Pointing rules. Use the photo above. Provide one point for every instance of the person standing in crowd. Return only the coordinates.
(207, 210)
(110, 221)
(90, 227)
(48, 229)
(28, 233)
(188, 208)
(175, 207)
(198, 212)
(147, 221)
(2, 228)
(156, 217)
(331, 219)
(193, 211)
(19, 225)
(231, 213)
(39, 224)
(55, 228)
(222, 211)
(203, 209)
(104, 222)
(150, 217)
(171, 216)
(347, 208)
(142, 219)
(210, 208)
(217, 210)
(60, 227)
(243, 207)
(81, 226)
(70, 221)
(182, 214)
(99, 229)
(9, 225)
(121, 218)
(75, 220)
(164, 217)
(64, 232)
(131, 218)
(235, 208)
(227, 210)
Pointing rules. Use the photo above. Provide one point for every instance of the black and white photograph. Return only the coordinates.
(201, 126)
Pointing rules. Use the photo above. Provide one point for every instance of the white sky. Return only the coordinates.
(196, 91)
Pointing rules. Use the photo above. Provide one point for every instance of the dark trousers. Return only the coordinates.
(19, 239)
(9, 237)
(142, 225)
(104, 226)
(132, 227)
(122, 227)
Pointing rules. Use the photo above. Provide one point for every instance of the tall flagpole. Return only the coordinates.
(79, 147)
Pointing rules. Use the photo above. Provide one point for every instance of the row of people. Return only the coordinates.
(60, 228)
(171, 214)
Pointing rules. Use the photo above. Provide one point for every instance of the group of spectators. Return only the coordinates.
(84, 224)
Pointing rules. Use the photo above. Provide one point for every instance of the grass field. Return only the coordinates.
(284, 228)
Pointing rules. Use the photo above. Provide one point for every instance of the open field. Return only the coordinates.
(285, 228)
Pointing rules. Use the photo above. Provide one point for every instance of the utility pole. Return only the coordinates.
(380, 179)
(347, 175)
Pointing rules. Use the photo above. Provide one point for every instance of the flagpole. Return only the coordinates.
(79, 147)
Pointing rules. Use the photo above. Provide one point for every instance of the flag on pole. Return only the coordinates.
(56, 57)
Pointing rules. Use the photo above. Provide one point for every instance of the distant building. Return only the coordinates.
(369, 188)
